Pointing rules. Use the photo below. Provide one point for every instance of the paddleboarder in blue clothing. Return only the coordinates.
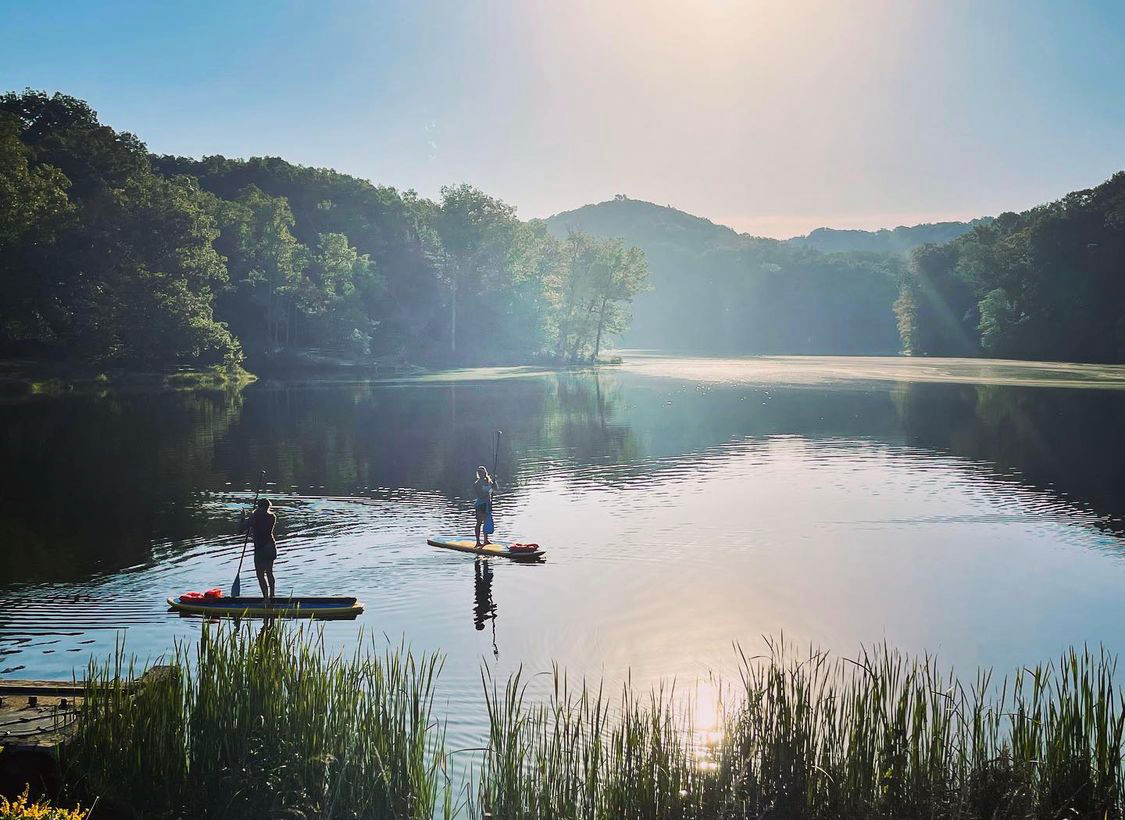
(483, 488)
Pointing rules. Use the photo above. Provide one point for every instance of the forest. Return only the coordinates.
(1045, 284)
(114, 258)
(1048, 283)
(902, 239)
(717, 291)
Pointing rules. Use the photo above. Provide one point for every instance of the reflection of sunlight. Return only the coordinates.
(706, 722)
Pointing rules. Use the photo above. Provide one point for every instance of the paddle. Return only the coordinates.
(489, 526)
(236, 587)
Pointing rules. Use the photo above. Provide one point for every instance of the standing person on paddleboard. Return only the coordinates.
(483, 488)
(260, 525)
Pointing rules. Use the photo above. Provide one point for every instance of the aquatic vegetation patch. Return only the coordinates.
(269, 723)
(882, 735)
(265, 724)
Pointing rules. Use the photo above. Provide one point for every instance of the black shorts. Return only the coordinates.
(264, 555)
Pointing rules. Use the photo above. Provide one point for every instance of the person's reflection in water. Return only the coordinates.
(485, 608)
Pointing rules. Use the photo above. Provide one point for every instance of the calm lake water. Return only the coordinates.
(971, 509)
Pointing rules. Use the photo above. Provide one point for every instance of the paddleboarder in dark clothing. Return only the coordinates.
(260, 525)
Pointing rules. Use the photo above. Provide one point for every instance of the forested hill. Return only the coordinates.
(112, 258)
(1048, 283)
(715, 290)
(902, 239)
(650, 223)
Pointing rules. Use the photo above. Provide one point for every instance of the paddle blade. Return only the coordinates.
(236, 587)
(489, 526)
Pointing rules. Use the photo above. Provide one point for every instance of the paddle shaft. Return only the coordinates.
(235, 587)
(495, 463)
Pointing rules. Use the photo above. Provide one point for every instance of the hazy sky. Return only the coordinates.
(772, 116)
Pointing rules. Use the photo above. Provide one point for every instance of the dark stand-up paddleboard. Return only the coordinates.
(295, 607)
(496, 549)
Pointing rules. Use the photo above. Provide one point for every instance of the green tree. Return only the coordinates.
(619, 275)
(29, 195)
(395, 230)
(578, 293)
(33, 206)
(339, 294)
(265, 262)
(600, 278)
(113, 256)
(529, 321)
(148, 272)
(937, 310)
(1043, 284)
(477, 234)
(63, 132)
(124, 271)
(1001, 324)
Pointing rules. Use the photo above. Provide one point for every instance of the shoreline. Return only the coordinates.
(25, 378)
(807, 733)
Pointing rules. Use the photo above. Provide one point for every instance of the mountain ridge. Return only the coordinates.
(716, 290)
(624, 213)
(900, 239)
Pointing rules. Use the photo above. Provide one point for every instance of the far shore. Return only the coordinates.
(33, 377)
(30, 377)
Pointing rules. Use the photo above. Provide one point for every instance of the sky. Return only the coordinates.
(772, 116)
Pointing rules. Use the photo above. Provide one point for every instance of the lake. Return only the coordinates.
(688, 505)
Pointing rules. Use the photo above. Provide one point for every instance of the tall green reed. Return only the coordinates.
(886, 735)
(266, 724)
(271, 724)
(882, 735)
(583, 754)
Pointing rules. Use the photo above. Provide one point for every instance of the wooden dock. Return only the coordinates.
(37, 717)
(37, 713)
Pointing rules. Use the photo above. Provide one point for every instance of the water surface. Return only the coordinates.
(965, 508)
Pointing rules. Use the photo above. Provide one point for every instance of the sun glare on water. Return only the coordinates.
(707, 719)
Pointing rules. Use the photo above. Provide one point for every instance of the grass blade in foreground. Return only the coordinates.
(268, 724)
(879, 736)
(271, 724)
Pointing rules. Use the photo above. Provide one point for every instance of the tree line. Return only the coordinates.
(115, 257)
(718, 291)
(1048, 283)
